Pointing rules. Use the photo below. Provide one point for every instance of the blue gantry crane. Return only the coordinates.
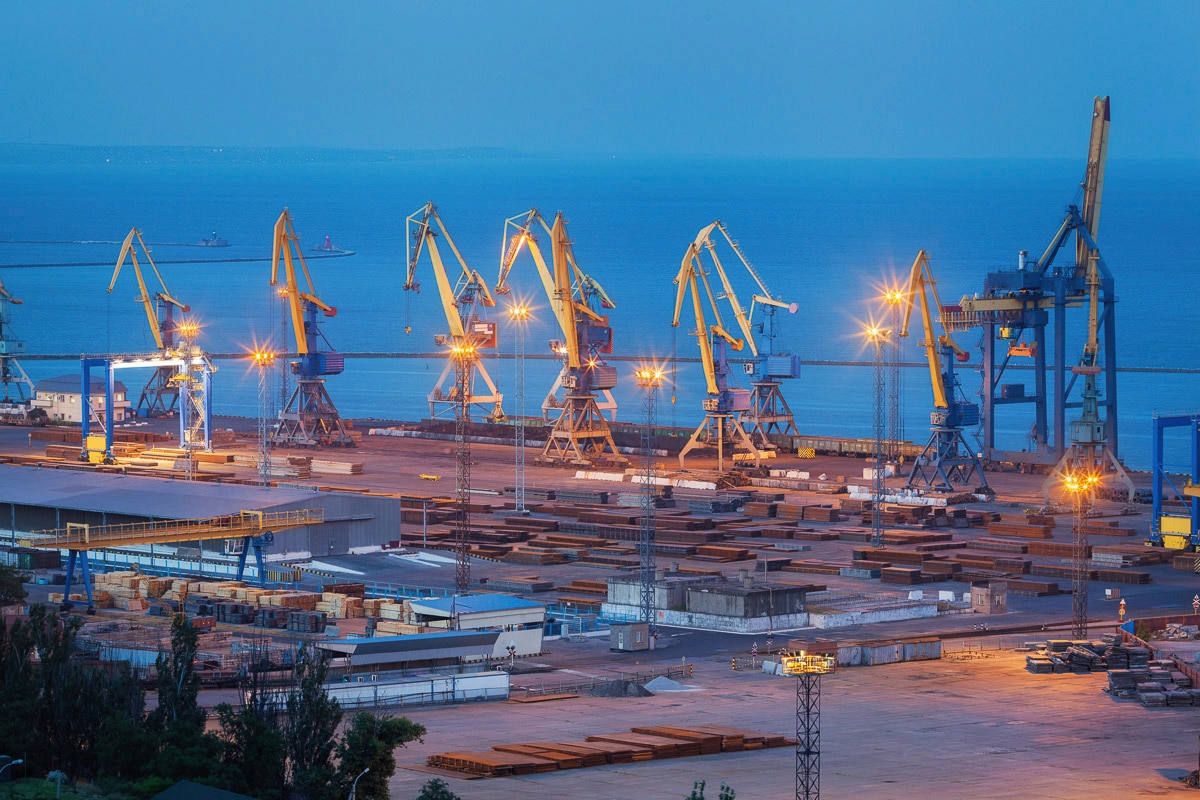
(1020, 308)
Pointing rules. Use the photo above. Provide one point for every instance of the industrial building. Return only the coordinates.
(41, 499)
(520, 621)
(62, 398)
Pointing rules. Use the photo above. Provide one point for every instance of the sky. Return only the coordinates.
(745, 78)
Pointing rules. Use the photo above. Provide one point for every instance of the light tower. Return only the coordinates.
(893, 297)
(808, 670)
(519, 313)
(649, 378)
(1080, 484)
(878, 338)
(264, 361)
(463, 357)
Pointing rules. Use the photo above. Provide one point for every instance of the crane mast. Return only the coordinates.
(581, 435)
(769, 413)
(724, 405)
(309, 418)
(947, 461)
(16, 405)
(160, 396)
(460, 303)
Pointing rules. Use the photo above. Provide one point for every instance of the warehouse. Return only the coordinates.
(33, 499)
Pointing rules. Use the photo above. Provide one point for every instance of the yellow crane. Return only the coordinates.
(309, 418)
(160, 397)
(724, 405)
(947, 461)
(460, 303)
(769, 413)
(581, 435)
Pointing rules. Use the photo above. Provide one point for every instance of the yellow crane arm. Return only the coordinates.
(286, 241)
(128, 250)
(923, 287)
(511, 246)
(564, 305)
(1093, 185)
(687, 283)
(4, 293)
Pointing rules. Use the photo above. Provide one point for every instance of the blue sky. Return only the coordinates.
(861, 78)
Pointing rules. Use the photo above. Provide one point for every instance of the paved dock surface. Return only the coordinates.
(978, 726)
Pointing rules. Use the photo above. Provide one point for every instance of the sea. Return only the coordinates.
(826, 235)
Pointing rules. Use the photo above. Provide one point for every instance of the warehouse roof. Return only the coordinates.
(135, 496)
(476, 603)
(73, 384)
(415, 647)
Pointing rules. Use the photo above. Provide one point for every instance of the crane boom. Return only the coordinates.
(923, 286)
(159, 328)
(4, 293)
(1093, 184)
(286, 241)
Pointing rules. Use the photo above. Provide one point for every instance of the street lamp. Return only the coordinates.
(264, 360)
(354, 786)
(877, 337)
(11, 764)
(1080, 483)
(650, 378)
(519, 313)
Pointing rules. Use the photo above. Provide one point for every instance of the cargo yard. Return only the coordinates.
(569, 601)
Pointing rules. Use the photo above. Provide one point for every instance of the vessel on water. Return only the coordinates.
(213, 241)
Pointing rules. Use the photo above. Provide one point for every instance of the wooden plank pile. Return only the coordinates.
(644, 743)
(1020, 530)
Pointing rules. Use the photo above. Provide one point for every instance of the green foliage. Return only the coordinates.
(255, 754)
(12, 590)
(370, 741)
(178, 682)
(437, 789)
(697, 793)
(310, 725)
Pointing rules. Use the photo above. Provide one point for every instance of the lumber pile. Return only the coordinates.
(645, 743)
(1020, 530)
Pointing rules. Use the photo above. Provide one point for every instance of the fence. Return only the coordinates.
(582, 685)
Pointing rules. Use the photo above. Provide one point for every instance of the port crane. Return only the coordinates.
(769, 413)
(1019, 308)
(16, 406)
(160, 396)
(947, 460)
(461, 303)
(581, 435)
(309, 418)
(724, 406)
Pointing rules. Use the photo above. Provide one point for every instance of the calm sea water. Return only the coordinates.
(823, 234)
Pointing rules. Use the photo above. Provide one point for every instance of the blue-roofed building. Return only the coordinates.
(518, 620)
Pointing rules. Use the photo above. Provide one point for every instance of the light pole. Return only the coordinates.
(878, 337)
(519, 314)
(11, 764)
(649, 378)
(1080, 484)
(354, 786)
(894, 298)
(264, 360)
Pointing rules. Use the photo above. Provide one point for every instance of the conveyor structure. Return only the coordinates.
(255, 528)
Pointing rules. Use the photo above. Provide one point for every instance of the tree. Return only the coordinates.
(178, 681)
(437, 789)
(370, 741)
(12, 589)
(698, 792)
(311, 724)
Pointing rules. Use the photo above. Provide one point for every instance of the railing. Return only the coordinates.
(80, 536)
(580, 685)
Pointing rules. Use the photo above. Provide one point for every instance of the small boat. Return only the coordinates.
(214, 241)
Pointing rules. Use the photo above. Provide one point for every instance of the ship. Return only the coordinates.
(213, 241)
